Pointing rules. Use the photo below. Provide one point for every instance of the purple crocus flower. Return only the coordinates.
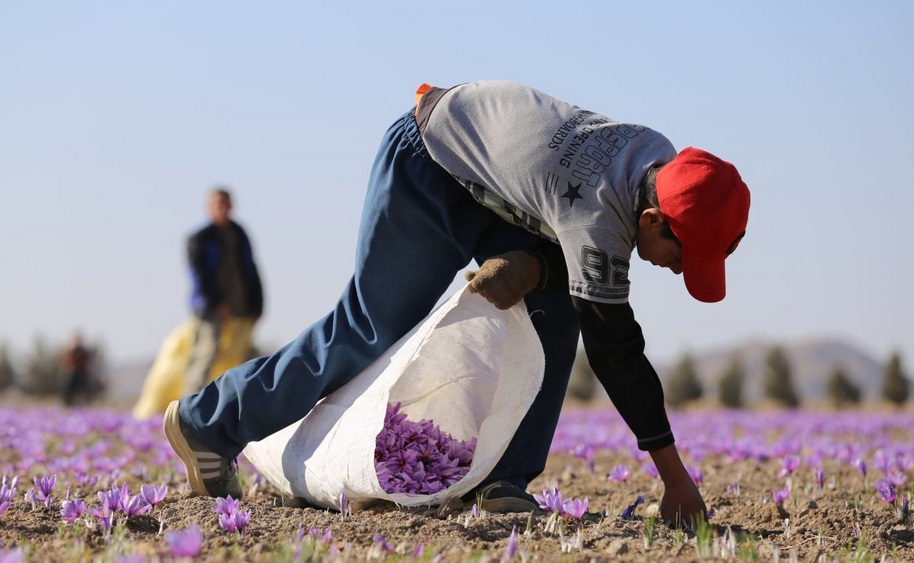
(820, 477)
(382, 543)
(619, 474)
(184, 543)
(733, 488)
(511, 550)
(417, 457)
(896, 478)
(860, 465)
(575, 508)
(226, 505)
(235, 522)
(629, 513)
(45, 486)
(72, 509)
(789, 464)
(134, 506)
(780, 495)
(103, 515)
(7, 492)
(550, 500)
(650, 469)
(886, 490)
(153, 495)
(14, 555)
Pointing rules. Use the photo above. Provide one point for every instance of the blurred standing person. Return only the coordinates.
(77, 359)
(226, 284)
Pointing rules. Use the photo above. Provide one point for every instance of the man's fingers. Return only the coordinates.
(469, 276)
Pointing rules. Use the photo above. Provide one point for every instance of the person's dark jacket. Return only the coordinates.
(204, 249)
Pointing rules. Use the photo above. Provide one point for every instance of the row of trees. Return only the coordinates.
(777, 384)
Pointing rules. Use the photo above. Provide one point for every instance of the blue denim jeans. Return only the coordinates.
(419, 229)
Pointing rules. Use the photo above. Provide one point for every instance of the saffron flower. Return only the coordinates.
(226, 505)
(629, 513)
(45, 486)
(231, 518)
(575, 508)
(134, 506)
(550, 501)
(511, 550)
(650, 469)
(236, 522)
(153, 495)
(820, 477)
(418, 457)
(185, 543)
(382, 544)
(886, 490)
(789, 464)
(619, 474)
(7, 492)
(780, 495)
(72, 509)
(860, 465)
(103, 515)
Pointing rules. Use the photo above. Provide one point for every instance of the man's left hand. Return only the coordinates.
(504, 280)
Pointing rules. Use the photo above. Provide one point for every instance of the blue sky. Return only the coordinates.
(115, 118)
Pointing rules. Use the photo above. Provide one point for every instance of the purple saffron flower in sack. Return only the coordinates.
(184, 543)
(789, 464)
(886, 490)
(780, 495)
(153, 495)
(820, 478)
(72, 509)
(575, 508)
(45, 486)
(619, 474)
(629, 513)
(550, 500)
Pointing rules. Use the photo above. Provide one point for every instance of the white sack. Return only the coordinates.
(470, 368)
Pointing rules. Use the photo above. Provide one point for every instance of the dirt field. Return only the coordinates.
(845, 519)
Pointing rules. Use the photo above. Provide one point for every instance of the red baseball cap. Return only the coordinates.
(706, 204)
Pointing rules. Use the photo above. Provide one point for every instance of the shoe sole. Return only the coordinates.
(172, 426)
(508, 504)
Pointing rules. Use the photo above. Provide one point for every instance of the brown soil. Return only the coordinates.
(845, 520)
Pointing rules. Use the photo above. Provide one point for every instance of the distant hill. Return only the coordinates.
(811, 362)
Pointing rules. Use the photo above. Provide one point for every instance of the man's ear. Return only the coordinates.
(650, 218)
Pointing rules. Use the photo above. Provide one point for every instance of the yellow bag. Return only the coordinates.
(165, 379)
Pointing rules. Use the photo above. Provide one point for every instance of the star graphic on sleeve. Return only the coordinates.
(573, 193)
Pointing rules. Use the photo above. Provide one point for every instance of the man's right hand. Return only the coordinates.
(504, 280)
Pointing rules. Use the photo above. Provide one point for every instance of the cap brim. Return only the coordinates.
(704, 278)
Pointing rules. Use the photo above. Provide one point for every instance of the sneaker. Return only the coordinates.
(208, 473)
(502, 497)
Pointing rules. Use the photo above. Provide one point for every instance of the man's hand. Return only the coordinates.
(504, 280)
(682, 503)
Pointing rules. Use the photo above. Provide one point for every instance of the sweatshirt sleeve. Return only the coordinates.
(614, 345)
